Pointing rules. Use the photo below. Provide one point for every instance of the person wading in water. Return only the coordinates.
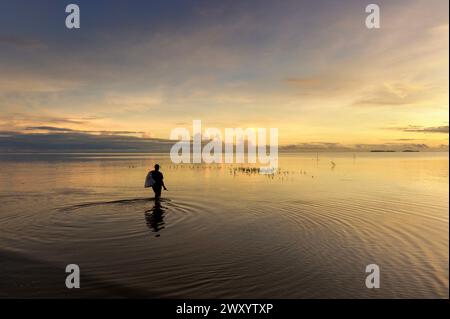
(155, 179)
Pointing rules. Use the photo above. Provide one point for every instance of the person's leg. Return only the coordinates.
(158, 194)
(157, 190)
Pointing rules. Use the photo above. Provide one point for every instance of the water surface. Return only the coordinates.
(223, 231)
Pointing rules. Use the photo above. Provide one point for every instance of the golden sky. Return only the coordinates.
(314, 71)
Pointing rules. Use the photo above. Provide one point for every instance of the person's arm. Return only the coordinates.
(162, 182)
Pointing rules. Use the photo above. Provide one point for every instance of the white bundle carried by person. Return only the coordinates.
(149, 181)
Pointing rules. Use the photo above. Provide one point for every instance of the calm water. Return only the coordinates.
(219, 231)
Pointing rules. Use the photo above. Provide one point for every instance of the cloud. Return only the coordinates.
(324, 85)
(421, 129)
(48, 128)
(19, 121)
(396, 93)
(437, 129)
(68, 130)
(23, 43)
(312, 81)
(26, 84)
(75, 142)
(133, 101)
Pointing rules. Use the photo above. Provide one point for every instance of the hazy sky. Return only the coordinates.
(310, 68)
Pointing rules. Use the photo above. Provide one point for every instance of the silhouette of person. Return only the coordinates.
(158, 179)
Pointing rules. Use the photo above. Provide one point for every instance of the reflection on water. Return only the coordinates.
(226, 231)
(155, 217)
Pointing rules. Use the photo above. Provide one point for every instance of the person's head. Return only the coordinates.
(156, 167)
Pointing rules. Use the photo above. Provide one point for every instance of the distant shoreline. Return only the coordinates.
(79, 152)
(393, 151)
